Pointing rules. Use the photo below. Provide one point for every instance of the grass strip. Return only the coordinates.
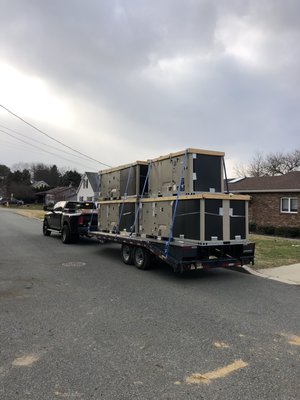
(273, 251)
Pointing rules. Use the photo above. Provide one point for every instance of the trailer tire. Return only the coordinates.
(127, 254)
(141, 258)
(66, 236)
(46, 230)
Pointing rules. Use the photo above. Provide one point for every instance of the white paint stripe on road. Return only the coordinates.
(216, 374)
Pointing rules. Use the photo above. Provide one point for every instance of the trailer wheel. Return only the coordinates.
(141, 258)
(127, 254)
(66, 235)
(46, 231)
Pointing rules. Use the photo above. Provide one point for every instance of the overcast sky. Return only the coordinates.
(130, 80)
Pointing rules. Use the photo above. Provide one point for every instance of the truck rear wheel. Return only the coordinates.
(127, 254)
(66, 235)
(46, 230)
(141, 258)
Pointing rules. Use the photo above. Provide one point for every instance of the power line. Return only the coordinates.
(24, 147)
(52, 138)
(44, 144)
(39, 148)
(13, 145)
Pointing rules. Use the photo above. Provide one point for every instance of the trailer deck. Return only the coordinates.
(181, 255)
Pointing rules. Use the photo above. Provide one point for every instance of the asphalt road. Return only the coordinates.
(76, 323)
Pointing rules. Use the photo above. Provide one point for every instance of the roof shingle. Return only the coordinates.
(288, 182)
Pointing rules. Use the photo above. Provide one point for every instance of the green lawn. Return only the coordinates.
(274, 251)
(29, 210)
(33, 206)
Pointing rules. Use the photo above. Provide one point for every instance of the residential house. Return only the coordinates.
(40, 185)
(274, 199)
(57, 194)
(88, 189)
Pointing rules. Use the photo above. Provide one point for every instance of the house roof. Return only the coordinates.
(289, 182)
(93, 178)
(58, 190)
(40, 184)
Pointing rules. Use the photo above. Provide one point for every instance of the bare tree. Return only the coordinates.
(241, 171)
(275, 164)
(280, 163)
(257, 166)
(292, 161)
(270, 165)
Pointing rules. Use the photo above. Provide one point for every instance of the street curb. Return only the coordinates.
(273, 278)
(242, 269)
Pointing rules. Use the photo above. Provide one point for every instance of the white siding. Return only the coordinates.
(85, 190)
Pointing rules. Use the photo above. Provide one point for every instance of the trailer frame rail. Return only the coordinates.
(182, 255)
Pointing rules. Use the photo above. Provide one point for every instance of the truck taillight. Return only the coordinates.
(81, 220)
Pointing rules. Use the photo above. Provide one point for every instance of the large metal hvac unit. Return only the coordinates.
(155, 217)
(117, 216)
(202, 217)
(174, 208)
(199, 170)
(108, 215)
(124, 181)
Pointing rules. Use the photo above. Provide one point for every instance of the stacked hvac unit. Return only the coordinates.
(178, 196)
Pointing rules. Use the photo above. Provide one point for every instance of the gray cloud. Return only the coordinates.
(165, 75)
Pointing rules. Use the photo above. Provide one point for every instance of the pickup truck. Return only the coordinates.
(70, 218)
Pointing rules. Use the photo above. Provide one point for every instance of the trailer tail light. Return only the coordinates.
(81, 220)
(231, 264)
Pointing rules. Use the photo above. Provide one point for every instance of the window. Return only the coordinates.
(86, 206)
(89, 198)
(289, 205)
(59, 206)
(80, 198)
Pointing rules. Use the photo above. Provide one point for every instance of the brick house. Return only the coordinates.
(274, 199)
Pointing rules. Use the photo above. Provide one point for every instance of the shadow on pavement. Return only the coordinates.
(112, 252)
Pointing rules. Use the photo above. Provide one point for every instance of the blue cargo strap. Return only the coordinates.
(122, 205)
(140, 198)
(175, 207)
(91, 218)
(225, 173)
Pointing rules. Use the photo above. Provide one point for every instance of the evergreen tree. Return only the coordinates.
(4, 171)
(70, 178)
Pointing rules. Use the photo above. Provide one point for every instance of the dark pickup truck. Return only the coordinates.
(71, 218)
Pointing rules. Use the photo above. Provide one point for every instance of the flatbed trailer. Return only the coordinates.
(181, 255)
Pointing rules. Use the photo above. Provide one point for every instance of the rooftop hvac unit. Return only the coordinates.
(197, 170)
(124, 181)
